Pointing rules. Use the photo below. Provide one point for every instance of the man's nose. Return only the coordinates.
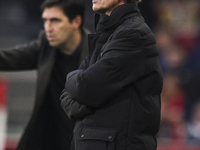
(48, 26)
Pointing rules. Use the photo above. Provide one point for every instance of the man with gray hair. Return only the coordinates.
(114, 96)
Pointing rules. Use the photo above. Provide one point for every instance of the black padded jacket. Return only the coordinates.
(114, 97)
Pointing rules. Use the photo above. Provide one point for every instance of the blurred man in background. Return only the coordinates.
(58, 51)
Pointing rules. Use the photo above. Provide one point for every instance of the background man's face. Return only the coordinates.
(57, 26)
(104, 6)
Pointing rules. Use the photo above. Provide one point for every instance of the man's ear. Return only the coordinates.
(77, 21)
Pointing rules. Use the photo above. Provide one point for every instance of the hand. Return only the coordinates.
(73, 109)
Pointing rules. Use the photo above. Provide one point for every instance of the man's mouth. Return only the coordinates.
(50, 38)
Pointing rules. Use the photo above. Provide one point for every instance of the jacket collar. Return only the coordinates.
(119, 14)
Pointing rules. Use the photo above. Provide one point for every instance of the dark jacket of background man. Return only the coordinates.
(114, 96)
(36, 55)
(49, 128)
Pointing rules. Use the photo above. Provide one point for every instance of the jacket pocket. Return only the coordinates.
(94, 138)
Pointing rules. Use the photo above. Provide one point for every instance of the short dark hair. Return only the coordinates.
(133, 1)
(71, 8)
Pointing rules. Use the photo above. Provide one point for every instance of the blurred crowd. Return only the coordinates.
(178, 40)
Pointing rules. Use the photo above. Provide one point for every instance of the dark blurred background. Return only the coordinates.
(175, 24)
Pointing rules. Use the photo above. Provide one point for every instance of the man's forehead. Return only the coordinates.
(53, 12)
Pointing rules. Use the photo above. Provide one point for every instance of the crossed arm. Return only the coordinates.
(92, 87)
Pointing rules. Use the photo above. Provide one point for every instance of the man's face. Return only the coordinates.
(57, 26)
(105, 6)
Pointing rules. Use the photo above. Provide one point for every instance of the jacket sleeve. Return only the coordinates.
(121, 64)
(84, 65)
(20, 57)
(73, 109)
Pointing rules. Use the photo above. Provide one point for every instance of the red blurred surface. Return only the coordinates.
(177, 145)
(3, 92)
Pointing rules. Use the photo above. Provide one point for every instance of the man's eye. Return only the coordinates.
(55, 20)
